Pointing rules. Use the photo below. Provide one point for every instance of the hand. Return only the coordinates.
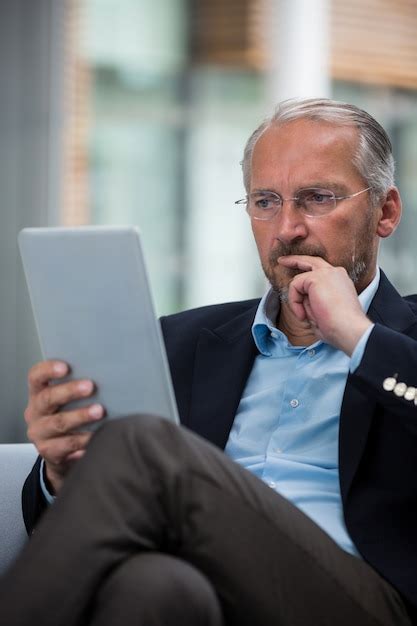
(326, 297)
(56, 432)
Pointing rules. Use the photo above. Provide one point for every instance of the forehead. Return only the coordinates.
(305, 152)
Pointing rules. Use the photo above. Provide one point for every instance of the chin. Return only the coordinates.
(279, 278)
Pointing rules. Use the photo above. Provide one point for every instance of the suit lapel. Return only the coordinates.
(387, 308)
(224, 359)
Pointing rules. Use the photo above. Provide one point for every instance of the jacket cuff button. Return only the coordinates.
(400, 389)
(389, 383)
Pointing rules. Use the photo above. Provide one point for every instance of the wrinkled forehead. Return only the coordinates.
(307, 150)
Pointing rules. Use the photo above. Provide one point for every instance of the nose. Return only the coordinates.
(289, 223)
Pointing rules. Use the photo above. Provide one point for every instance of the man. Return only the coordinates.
(312, 390)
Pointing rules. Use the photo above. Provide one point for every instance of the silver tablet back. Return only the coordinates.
(93, 309)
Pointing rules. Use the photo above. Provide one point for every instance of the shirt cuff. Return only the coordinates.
(357, 354)
(48, 496)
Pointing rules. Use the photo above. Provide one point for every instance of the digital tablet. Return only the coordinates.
(93, 309)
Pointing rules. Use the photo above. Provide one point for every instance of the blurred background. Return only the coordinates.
(137, 111)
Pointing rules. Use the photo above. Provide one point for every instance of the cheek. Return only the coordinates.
(264, 238)
(333, 230)
(339, 241)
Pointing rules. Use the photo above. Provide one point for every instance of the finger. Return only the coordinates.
(53, 397)
(298, 295)
(41, 373)
(75, 456)
(56, 451)
(303, 311)
(302, 262)
(296, 300)
(311, 319)
(309, 312)
(63, 423)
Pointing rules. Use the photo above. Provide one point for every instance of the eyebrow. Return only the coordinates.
(338, 189)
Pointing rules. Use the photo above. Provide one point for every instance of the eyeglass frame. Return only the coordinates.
(295, 199)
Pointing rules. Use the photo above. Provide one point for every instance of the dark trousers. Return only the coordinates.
(156, 526)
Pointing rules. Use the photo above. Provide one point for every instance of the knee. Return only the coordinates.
(159, 576)
(164, 585)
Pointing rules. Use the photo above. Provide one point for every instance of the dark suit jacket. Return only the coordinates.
(211, 353)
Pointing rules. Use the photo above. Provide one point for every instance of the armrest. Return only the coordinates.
(16, 461)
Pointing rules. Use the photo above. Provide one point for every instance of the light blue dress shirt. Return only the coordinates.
(286, 429)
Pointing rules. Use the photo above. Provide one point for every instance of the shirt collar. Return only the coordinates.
(268, 309)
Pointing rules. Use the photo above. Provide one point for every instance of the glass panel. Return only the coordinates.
(136, 53)
(223, 261)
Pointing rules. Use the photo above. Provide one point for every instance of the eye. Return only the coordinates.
(265, 202)
(316, 196)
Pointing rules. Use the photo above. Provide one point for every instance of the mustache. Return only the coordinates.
(288, 249)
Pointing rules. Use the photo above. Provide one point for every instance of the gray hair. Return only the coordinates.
(373, 157)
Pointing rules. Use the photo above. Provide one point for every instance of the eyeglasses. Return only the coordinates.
(264, 205)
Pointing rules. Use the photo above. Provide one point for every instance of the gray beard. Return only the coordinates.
(356, 269)
(355, 274)
(356, 266)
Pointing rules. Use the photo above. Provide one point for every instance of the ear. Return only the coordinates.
(389, 213)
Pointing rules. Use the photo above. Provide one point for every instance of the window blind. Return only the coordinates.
(372, 42)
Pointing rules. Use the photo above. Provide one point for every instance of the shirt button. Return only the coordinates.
(311, 352)
(294, 403)
(272, 484)
(277, 450)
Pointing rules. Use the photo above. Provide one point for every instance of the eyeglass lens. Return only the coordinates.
(313, 202)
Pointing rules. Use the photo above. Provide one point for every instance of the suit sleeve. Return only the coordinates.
(388, 353)
(33, 501)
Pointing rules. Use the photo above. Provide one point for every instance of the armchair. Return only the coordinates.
(16, 460)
